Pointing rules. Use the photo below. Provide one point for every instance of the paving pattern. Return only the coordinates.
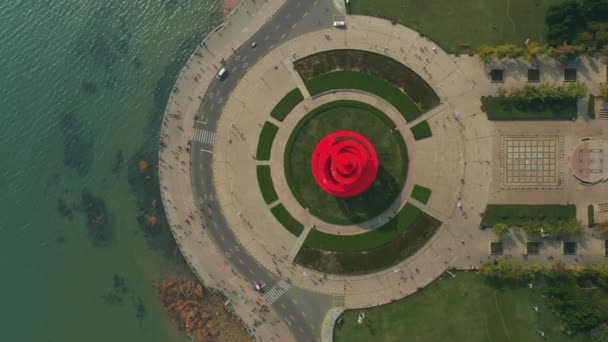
(233, 248)
(532, 162)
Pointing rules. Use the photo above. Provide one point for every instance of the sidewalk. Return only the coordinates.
(199, 251)
(456, 162)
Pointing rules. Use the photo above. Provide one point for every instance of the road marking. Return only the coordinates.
(298, 5)
(266, 38)
(203, 150)
(204, 136)
(283, 35)
(288, 16)
(276, 28)
(305, 14)
(276, 292)
(294, 25)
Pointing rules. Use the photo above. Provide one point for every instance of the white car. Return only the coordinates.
(221, 74)
(339, 24)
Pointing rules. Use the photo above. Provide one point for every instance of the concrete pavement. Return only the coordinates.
(240, 240)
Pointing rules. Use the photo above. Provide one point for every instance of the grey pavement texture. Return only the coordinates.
(213, 201)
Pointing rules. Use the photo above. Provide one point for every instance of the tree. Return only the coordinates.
(575, 89)
(604, 90)
(501, 230)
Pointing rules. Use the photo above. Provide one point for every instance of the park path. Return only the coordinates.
(456, 162)
(205, 259)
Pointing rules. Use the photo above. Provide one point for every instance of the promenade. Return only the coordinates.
(458, 163)
(202, 254)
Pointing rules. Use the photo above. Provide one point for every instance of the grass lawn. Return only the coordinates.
(372, 239)
(346, 79)
(269, 131)
(419, 230)
(514, 215)
(265, 183)
(460, 26)
(288, 221)
(372, 64)
(512, 108)
(367, 121)
(287, 103)
(421, 194)
(465, 308)
(422, 130)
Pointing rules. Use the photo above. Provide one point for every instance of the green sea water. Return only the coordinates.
(83, 83)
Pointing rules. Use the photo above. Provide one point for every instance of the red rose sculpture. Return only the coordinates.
(344, 164)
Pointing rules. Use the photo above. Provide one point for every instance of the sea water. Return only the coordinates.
(83, 85)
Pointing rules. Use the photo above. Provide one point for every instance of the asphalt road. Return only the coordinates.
(301, 309)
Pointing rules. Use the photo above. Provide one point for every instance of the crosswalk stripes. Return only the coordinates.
(204, 136)
(276, 292)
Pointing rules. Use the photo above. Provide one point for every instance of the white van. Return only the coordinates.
(220, 74)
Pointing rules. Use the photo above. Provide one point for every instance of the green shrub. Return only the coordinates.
(269, 131)
(421, 194)
(265, 182)
(286, 220)
(287, 104)
(517, 215)
(357, 80)
(422, 130)
(591, 107)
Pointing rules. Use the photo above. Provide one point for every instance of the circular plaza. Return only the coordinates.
(269, 177)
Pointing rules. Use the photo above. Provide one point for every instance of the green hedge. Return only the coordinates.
(591, 215)
(347, 79)
(514, 215)
(288, 221)
(287, 104)
(420, 229)
(517, 108)
(269, 131)
(359, 242)
(421, 194)
(373, 64)
(422, 130)
(591, 107)
(265, 183)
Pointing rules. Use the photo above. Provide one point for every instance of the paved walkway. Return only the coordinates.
(201, 253)
(278, 154)
(456, 163)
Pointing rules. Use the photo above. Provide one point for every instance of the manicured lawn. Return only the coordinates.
(372, 124)
(421, 227)
(360, 242)
(288, 221)
(269, 131)
(514, 215)
(372, 64)
(421, 194)
(461, 26)
(422, 130)
(265, 183)
(287, 103)
(465, 308)
(356, 80)
(513, 108)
